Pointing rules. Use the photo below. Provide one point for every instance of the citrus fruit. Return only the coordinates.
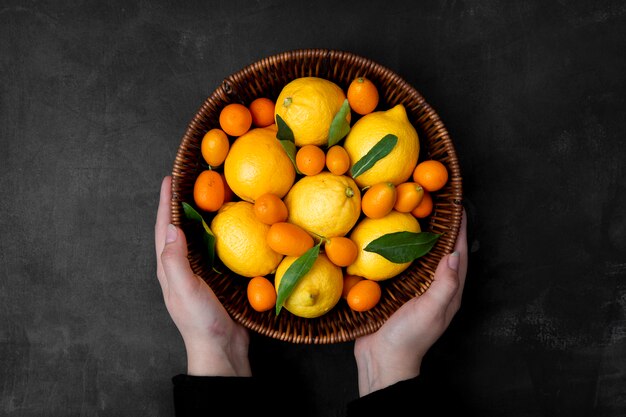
(364, 295)
(324, 204)
(398, 165)
(310, 159)
(289, 239)
(257, 164)
(425, 207)
(372, 265)
(235, 119)
(215, 147)
(270, 209)
(409, 195)
(379, 200)
(362, 95)
(317, 292)
(262, 111)
(308, 106)
(208, 191)
(261, 294)
(348, 283)
(337, 160)
(228, 193)
(340, 250)
(240, 240)
(431, 174)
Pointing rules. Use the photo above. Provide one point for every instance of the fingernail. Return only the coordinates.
(453, 261)
(172, 234)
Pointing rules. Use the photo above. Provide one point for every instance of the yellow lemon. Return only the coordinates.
(372, 265)
(399, 164)
(308, 106)
(240, 241)
(257, 164)
(317, 292)
(324, 204)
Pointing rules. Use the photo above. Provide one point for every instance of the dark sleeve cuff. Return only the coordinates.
(403, 395)
(417, 395)
(215, 395)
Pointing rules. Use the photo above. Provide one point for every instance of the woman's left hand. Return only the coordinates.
(215, 344)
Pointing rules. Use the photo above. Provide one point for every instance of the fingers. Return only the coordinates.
(445, 283)
(178, 274)
(449, 279)
(460, 248)
(160, 228)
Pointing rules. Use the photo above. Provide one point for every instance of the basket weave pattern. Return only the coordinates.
(266, 78)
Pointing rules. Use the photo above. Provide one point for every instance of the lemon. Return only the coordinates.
(399, 164)
(325, 204)
(372, 265)
(308, 106)
(257, 164)
(240, 241)
(317, 292)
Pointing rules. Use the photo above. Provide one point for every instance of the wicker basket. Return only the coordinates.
(266, 78)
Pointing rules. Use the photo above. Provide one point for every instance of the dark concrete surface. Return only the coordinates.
(95, 96)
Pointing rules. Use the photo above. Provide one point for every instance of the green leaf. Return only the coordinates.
(287, 141)
(402, 247)
(284, 131)
(296, 270)
(207, 236)
(340, 126)
(379, 151)
(290, 149)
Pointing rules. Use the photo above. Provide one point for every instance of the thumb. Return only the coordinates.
(176, 266)
(445, 282)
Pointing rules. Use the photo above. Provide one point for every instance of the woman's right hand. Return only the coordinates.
(394, 353)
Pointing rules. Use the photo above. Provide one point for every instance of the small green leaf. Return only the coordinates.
(296, 270)
(340, 126)
(379, 151)
(287, 141)
(290, 149)
(284, 131)
(402, 247)
(207, 236)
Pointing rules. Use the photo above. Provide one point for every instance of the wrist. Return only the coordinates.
(210, 360)
(376, 371)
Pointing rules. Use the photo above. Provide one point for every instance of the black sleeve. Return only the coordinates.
(234, 396)
(215, 395)
(413, 395)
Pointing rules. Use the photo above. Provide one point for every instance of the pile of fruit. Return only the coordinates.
(310, 206)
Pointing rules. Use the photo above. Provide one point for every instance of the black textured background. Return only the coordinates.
(95, 96)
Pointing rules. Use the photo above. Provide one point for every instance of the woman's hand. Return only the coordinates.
(215, 344)
(394, 353)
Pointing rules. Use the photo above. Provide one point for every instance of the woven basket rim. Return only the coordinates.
(446, 216)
